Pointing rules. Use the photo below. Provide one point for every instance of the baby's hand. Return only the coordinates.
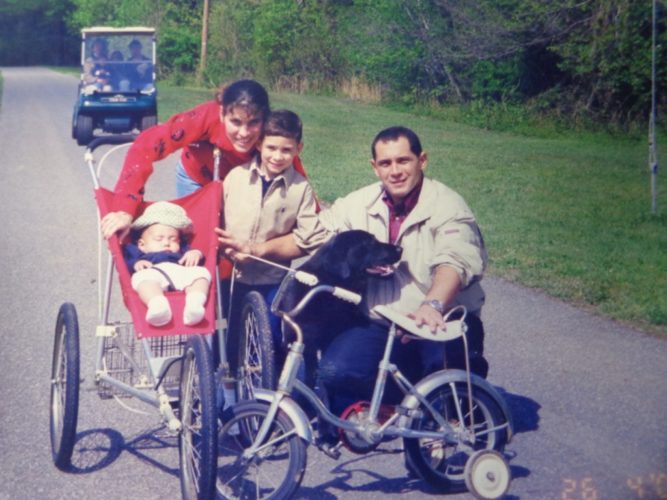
(142, 264)
(191, 258)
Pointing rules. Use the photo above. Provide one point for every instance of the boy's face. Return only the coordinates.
(159, 238)
(277, 154)
(399, 169)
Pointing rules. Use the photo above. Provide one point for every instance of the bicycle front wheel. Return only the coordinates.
(441, 462)
(274, 471)
(197, 441)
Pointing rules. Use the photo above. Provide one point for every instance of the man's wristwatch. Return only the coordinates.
(435, 304)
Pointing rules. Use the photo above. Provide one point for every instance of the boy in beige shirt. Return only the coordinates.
(266, 201)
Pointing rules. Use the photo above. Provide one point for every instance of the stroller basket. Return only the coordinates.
(124, 358)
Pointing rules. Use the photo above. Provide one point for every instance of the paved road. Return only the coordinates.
(588, 395)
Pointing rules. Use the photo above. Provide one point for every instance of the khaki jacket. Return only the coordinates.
(440, 230)
(288, 207)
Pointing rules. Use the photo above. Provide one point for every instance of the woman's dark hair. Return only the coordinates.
(284, 123)
(393, 134)
(248, 94)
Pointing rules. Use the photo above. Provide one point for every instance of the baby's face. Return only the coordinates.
(159, 238)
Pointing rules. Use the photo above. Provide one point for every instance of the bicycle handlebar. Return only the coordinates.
(346, 295)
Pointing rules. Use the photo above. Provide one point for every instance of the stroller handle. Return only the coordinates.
(88, 156)
(110, 139)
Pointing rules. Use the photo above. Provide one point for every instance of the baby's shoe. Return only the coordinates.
(159, 312)
(194, 310)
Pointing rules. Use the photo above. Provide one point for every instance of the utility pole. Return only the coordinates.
(652, 149)
(204, 38)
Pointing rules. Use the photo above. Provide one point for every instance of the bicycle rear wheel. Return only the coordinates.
(274, 471)
(65, 368)
(197, 441)
(441, 462)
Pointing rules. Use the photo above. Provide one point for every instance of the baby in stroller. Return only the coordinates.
(160, 259)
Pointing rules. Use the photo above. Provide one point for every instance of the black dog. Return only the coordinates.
(347, 260)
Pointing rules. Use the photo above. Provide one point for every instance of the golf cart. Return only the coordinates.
(117, 91)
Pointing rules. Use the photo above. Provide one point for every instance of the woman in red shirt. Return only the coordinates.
(233, 122)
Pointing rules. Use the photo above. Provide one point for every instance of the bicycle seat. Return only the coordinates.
(453, 329)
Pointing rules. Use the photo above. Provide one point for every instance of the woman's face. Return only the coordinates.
(242, 128)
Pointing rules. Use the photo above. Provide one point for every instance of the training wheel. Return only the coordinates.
(487, 474)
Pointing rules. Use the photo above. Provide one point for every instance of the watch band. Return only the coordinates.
(435, 304)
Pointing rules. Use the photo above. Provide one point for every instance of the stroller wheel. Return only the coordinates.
(198, 438)
(64, 386)
(255, 353)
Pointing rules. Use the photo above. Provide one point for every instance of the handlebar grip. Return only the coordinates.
(455, 327)
(306, 278)
(346, 295)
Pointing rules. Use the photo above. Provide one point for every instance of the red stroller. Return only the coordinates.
(168, 367)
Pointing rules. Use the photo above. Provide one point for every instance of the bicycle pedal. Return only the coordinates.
(329, 450)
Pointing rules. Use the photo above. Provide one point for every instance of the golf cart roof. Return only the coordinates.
(104, 30)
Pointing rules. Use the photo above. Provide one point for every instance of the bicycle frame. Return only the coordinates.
(370, 429)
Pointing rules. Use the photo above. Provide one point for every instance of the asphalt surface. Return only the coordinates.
(588, 396)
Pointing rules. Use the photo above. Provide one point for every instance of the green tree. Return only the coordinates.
(606, 56)
(34, 32)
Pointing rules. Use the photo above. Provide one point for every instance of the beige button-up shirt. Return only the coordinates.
(289, 206)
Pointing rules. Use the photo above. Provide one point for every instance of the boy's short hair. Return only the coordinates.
(284, 123)
(393, 134)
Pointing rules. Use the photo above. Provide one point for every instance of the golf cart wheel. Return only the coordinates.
(487, 474)
(84, 130)
(148, 121)
(64, 386)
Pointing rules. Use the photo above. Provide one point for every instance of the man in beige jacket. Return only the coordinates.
(441, 267)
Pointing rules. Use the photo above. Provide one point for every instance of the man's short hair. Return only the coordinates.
(284, 123)
(393, 134)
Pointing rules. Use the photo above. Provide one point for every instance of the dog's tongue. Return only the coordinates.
(381, 270)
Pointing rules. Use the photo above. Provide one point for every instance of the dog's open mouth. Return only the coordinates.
(381, 270)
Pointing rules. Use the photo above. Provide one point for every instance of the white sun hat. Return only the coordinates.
(164, 212)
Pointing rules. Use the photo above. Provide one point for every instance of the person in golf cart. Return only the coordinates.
(138, 68)
(96, 73)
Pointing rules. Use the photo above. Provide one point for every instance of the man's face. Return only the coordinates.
(277, 154)
(397, 167)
